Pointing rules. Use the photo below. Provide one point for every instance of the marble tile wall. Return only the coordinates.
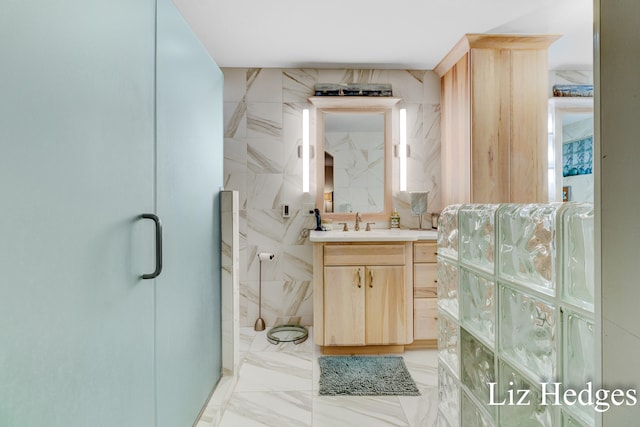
(263, 127)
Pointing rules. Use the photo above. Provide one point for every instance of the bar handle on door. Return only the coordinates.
(158, 224)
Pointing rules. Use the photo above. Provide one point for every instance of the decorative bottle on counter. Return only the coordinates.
(395, 219)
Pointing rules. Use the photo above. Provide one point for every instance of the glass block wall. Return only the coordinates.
(515, 314)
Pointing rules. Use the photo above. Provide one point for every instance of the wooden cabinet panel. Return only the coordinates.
(360, 300)
(425, 252)
(385, 305)
(494, 103)
(344, 306)
(425, 293)
(388, 254)
(529, 158)
(425, 318)
(456, 113)
(490, 124)
(425, 280)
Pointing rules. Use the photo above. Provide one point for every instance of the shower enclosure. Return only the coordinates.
(114, 112)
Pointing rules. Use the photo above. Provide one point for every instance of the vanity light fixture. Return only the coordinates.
(305, 150)
(403, 149)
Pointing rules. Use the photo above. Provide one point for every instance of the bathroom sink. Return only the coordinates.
(375, 235)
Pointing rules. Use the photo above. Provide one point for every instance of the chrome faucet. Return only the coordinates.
(358, 219)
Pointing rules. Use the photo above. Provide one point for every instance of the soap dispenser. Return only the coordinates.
(395, 219)
(316, 211)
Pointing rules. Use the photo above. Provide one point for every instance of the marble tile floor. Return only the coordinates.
(278, 386)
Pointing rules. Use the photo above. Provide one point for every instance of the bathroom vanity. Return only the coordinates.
(374, 291)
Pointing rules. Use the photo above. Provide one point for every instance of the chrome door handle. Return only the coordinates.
(158, 224)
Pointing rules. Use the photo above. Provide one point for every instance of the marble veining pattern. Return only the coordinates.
(283, 408)
(278, 386)
(275, 371)
(358, 161)
(264, 119)
(298, 84)
(235, 119)
(263, 124)
(264, 155)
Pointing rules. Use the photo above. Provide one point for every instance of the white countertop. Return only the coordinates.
(375, 235)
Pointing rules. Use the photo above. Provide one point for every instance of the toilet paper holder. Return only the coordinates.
(262, 256)
(265, 256)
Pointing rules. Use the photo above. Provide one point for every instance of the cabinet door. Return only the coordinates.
(425, 318)
(425, 280)
(344, 301)
(385, 305)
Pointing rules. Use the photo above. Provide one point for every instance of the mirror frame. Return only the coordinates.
(558, 106)
(354, 105)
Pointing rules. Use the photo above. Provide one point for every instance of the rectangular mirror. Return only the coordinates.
(571, 149)
(353, 155)
(353, 162)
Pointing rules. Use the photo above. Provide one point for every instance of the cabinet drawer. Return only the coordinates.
(425, 318)
(425, 280)
(364, 254)
(425, 252)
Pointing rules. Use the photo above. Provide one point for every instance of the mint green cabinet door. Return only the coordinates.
(76, 171)
(190, 174)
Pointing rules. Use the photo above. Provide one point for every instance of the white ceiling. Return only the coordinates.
(401, 34)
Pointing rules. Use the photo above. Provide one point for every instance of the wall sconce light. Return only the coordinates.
(305, 150)
(402, 149)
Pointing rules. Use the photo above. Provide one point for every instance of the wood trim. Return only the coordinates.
(359, 102)
(492, 41)
(408, 292)
(318, 294)
(388, 169)
(355, 104)
(357, 254)
(511, 41)
(455, 54)
(422, 344)
(365, 349)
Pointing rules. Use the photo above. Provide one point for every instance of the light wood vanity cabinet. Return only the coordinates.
(425, 294)
(364, 305)
(494, 119)
(363, 295)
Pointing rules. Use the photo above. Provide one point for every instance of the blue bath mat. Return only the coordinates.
(365, 376)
